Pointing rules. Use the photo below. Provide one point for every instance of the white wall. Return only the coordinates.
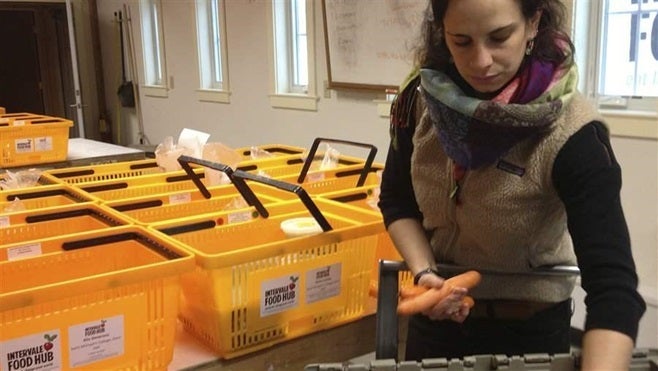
(638, 159)
(249, 119)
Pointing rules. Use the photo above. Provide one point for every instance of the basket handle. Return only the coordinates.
(296, 189)
(120, 237)
(239, 183)
(314, 148)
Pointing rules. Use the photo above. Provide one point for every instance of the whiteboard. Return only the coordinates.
(370, 42)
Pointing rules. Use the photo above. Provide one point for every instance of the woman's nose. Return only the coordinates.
(481, 57)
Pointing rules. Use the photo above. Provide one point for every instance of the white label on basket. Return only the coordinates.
(4, 120)
(24, 145)
(181, 198)
(25, 251)
(43, 144)
(4, 221)
(19, 123)
(95, 341)
(243, 216)
(42, 352)
(323, 283)
(315, 177)
(279, 294)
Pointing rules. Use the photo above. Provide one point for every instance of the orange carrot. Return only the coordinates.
(373, 289)
(468, 300)
(432, 296)
(407, 292)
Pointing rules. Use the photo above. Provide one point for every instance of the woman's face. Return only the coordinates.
(487, 40)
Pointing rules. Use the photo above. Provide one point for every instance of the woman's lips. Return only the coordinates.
(484, 79)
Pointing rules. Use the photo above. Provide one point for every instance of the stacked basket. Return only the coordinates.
(250, 286)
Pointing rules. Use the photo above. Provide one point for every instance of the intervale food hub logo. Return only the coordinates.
(32, 353)
(279, 294)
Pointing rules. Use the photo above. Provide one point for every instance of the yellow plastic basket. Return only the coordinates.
(315, 182)
(336, 180)
(311, 161)
(30, 140)
(104, 300)
(40, 197)
(105, 172)
(150, 184)
(21, 118)
(56, 221)
(364, 198)
(183, 204)
(254, 287)
(273, 149)
(44, 178)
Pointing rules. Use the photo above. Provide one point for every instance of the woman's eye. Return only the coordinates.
(499, 39)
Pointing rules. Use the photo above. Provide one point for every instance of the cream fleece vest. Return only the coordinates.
(510, 217)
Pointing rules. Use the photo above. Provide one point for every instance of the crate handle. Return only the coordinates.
(386, 341)
(239, 183)
(314, 148)
(114, 238)
(36, 194)
(294, 188)
(38, 218)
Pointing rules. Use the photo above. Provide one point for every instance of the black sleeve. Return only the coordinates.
(588, 180)
(396, 198)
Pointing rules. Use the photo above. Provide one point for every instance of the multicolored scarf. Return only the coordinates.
(476, 132)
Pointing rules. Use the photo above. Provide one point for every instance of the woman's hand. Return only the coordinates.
(440, 299)
(452, 307)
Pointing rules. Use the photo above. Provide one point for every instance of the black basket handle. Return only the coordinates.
(314, 148)
(121, 237)
(294, 188)
(239, 183)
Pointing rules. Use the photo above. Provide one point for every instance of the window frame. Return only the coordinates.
(153, 48)
(210, 88)
(281, 71)
(588, 23)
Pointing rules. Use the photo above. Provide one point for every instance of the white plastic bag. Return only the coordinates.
(219, 152)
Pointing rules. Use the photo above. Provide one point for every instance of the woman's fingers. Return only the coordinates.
(448, 306)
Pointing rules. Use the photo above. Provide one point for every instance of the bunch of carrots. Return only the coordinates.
(417, 299)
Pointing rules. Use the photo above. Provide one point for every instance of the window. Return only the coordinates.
(293, 64)
(211, 47)
(617, 52)
(155, 71)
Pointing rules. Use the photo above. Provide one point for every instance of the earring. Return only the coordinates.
(529, 47)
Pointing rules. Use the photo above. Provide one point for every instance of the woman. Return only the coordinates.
(497, 163)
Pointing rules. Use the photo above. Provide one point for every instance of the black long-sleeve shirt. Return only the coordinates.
(587, 178)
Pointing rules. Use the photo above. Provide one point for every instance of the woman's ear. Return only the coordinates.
(534, 23)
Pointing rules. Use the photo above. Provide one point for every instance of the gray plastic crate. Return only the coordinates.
(643, 360)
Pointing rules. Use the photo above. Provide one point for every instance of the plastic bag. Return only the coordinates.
(218, 152)
(21, 179)
(167, 153)
(373, 199)
(15, 205)
(329, 159)
(190, 143)
(259, 153)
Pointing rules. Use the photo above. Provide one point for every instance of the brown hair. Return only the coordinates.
(552, 44)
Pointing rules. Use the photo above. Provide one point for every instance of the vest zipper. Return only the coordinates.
(452, 208)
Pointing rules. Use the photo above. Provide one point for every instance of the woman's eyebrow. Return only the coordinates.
(503, 29)
(497, 30)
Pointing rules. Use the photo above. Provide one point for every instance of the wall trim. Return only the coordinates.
(634, 124)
